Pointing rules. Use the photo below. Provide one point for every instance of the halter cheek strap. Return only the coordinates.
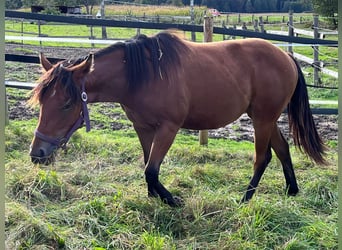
(85, 111)
(84, 117)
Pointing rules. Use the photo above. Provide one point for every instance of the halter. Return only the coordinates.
(84, 117)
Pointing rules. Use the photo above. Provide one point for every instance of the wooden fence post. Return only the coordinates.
(104, 30)
(192, 16)
(316, 63)
(208, 29)
(256, 29)
(6, 106)
(92, 35)
(22, 31)
(39, 32)
(232, 36)
(261, 24)
(291, 30)
(207, 37)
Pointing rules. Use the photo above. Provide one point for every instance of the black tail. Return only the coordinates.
(302, 124)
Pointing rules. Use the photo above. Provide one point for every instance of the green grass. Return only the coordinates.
(95, 197)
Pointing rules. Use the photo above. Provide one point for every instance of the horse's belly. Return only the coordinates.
(212, 119)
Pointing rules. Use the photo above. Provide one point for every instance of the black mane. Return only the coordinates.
(162, 51)
(61, 75)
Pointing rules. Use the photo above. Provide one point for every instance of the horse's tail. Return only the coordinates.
(301, 122)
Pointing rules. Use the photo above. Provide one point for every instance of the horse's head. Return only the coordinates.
(63, 106)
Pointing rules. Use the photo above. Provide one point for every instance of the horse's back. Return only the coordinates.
(225, 79)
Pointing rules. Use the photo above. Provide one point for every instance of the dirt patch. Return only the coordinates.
(241, 129)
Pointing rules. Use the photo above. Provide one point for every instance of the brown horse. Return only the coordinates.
(165, 83)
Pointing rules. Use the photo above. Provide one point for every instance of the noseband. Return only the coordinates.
(84, 117)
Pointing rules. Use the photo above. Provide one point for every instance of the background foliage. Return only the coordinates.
(329, 7)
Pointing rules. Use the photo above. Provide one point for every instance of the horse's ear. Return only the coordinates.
(84, 67)
(89, 62)
(44, 62)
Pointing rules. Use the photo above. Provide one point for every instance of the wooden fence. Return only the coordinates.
(289, 36)
(292, 31)
(163, 26)
(268, 18)
(316, 63)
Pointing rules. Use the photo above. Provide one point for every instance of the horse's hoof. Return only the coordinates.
(174, 201)
(291, 191)
(152, 194)
(244, 200)
(179, 201)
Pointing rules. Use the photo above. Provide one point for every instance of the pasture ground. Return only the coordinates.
(94, 196)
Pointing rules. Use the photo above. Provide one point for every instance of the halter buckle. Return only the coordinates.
(84, 96)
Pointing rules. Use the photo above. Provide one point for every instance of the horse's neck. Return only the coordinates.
(107, 81)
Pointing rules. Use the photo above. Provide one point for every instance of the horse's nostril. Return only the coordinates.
(41, 153)
(38, 152)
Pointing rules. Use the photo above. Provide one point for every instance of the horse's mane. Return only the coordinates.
(163, 51)
(57, 74)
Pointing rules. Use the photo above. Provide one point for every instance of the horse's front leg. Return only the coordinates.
(146, 136)
(162, 141)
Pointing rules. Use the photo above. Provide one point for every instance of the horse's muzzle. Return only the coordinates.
(42, 155)
(43, 160)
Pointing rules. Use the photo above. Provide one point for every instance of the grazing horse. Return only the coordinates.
(165, 83)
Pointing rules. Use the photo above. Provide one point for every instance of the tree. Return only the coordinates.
(261, 6)
(28, 3)
(175, 2)
(249, 7)
(327, 8)
(88, 4)
(13, 4)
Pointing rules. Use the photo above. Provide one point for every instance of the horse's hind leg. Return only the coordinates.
(263, 155)
(281, 148)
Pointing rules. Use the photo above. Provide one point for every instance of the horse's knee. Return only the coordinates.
(262, 161)
(151, 175)
(268, 156)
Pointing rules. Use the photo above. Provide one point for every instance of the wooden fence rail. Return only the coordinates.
(162, 26)
(294, 32)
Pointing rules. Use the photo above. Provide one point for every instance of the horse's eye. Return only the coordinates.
(67, 105)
